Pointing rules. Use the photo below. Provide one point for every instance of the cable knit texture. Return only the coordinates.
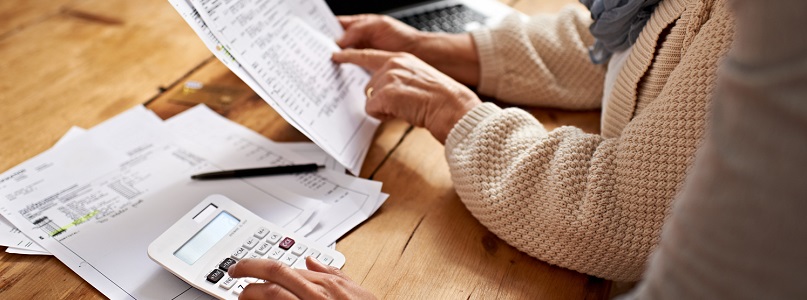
(590, 203)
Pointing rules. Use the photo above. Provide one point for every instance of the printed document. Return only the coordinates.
(12, 237)
(97, 202)
(347, 200)
(99, 198)
(282, 50)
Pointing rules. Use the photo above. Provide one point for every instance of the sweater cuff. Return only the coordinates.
(468, 123)
(490, 69)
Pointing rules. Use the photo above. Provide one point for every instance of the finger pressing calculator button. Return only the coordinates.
(286, 243)
(251, 242)
(262, 232)
(226, 264)
(298, 249)
(215, 276)
(273, 238)
(312, 252)
(325, 259)
(239, 254)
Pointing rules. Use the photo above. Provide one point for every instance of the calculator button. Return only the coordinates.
(240, 253)
(276, 253)
(226, 264)
(228, 283)
(273, 238)
(262, 232)
(298, 249)
(254, 255)
(239, 287)
(312, 252)
(215, 276)
(263, 248)
(325, 259)
(251, 280)
(300, 264)
(286, 243)
(288, 258)
(251, 242)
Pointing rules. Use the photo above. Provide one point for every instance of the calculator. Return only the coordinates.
(214, 235)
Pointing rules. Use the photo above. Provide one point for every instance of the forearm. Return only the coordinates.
(560, 196)
(540, 62)
(453, 54)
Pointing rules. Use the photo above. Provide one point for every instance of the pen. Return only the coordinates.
(279, 170)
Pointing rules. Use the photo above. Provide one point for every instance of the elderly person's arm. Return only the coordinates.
(540, 61)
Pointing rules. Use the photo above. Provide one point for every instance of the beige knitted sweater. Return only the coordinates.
(590, 203)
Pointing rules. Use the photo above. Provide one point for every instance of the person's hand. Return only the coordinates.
(405, 87)
(283, 282)
(378, 32)
(452, 54)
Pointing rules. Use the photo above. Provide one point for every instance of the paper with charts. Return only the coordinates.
(98, 200)
(282, 50)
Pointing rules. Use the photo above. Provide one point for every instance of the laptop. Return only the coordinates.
(440, 16)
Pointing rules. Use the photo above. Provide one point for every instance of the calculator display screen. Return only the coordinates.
(203, 240)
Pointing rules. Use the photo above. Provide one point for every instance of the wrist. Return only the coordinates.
(468, 124)
(453, 54)
(451, 114)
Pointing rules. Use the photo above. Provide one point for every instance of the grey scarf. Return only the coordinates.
(617, 24)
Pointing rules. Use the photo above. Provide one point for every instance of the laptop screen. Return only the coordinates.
(353, 7)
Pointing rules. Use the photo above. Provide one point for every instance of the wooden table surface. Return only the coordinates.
(80, 62)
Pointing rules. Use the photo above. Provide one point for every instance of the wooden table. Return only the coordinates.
(79, 62)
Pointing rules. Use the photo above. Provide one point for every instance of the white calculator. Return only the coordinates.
(214, 235)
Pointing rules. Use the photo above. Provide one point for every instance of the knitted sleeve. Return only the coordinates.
(581, 201)
(566, 197)
(541, 62)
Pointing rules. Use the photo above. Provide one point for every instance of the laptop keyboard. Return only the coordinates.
(448, 19)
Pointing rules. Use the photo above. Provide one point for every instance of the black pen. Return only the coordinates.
(279, 170)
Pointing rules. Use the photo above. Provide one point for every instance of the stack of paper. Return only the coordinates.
(98, 199)
(282, 50)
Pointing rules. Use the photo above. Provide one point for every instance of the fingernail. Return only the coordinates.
(316, 261)
(230, 270)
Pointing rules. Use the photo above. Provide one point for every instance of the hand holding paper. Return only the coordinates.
(284, 54)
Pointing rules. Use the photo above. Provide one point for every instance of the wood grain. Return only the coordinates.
(81, 62)
(429, 246)
(16, 15)
(532, 7)
(78, 65)
(69, 70)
